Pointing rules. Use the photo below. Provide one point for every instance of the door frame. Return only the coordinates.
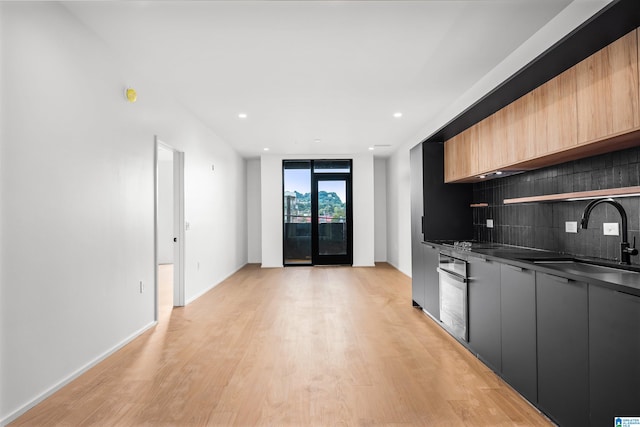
(317, 259)
(178, 225)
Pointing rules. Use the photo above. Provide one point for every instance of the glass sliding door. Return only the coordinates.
(317, 212)
(332, 220)
(332, 215)
(297, 246)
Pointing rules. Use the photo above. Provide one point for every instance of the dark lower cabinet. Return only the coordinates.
(431, 281)
(562, 337)
(571, 348)
(518, 324)
(417, 248)
(614, 355)
(484, 310)
(418, 270)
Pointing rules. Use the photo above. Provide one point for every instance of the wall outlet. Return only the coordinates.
(187, 226)
(571, 226)
(489, 223)
(610, 229)
(141, 286)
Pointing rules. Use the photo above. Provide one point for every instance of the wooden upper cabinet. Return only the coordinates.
(491, 139)
(450, 161)
(461, 155)
(451, 153)
(519, 117)
(608, 90)
(554, 103)
(591, 108)
(484, 132)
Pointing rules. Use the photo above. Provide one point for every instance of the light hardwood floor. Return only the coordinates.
(298, 346)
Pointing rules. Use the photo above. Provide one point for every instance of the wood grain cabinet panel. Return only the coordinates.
(492, 139)
(451, 150)
(520, 130)
(461, 155)
(469, 164)
(485, 144)
(592, 108)
(608, 90)
(555, 107)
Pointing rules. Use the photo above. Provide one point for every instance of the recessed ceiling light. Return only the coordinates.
(317, 140)
(266, 149)
(498, 172)
(242, 115)
(397, 115)
(371, 148)
(482, 176)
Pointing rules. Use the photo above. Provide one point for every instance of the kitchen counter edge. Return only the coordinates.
(510, 255)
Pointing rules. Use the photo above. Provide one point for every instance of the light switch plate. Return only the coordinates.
(571, 226)
(489, 223)
(610, 229)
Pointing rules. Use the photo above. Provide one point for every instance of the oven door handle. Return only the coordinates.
(453, 276)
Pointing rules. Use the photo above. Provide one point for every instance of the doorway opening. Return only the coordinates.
(169, 228)
(317, 216)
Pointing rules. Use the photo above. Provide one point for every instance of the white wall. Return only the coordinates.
(363, 208)
(399, 211)
(2, 156)
(216, 209)
(76, 193)
(380, 202)
(254, 224)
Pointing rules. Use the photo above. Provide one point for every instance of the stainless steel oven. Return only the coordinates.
(453, 279)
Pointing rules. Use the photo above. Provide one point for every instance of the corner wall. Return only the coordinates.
(254, 205)
(380, 202)
(399, 210)
(77, 196)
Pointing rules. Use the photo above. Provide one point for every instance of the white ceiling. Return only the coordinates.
(317, 77)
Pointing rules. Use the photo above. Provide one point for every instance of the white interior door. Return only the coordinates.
(179, 227)
(176, 235)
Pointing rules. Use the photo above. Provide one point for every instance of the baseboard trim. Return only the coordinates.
(22, 410)
(201, 293)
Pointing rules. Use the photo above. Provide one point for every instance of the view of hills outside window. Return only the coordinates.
(297, 207)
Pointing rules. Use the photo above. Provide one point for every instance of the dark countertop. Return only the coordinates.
(592, 270)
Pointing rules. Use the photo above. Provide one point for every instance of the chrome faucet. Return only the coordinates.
(625, 250)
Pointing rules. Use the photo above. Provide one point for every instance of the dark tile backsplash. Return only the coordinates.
(542, 225)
